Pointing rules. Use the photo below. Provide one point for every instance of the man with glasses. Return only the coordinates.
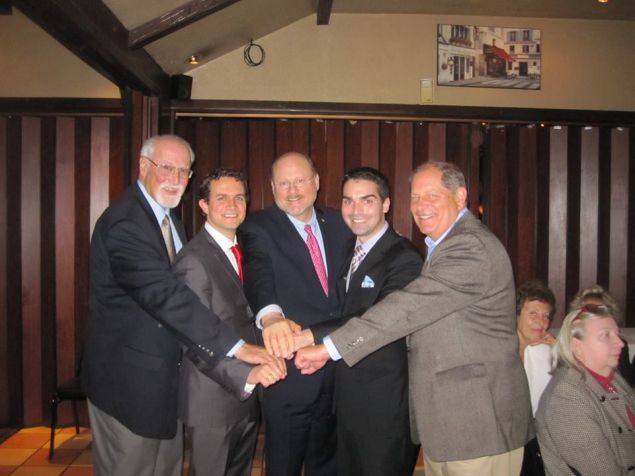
(293, 255)
(140, 316)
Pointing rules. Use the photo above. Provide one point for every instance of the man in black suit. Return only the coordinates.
(373, 423)
(140, 315)
(293, 254)
(221, 427)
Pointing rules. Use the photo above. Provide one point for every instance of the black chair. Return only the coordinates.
(69, 390)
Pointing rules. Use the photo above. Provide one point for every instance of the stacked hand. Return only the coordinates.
(269, 373)
(311, 359)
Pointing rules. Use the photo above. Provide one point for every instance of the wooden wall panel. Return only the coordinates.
(558, 218)
(362, 144)
(401, 217)
(618, 249)
(31, 268)
(261, 155)
(5, 416)
(292, 135)
(99, 168)
(589, 209)
(327, 151)
(495, 194)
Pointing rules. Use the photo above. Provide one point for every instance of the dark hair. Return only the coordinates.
(372, 175)
(452, 176)
(298, 154)
(203, 189)
(535, 291)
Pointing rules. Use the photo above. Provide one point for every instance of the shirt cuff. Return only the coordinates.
(249, 387)
(266, 310)
(330, 347)
(236, 347)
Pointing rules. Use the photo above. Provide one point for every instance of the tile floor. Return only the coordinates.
(25, 453)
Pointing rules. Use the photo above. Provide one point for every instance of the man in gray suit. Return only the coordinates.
(220, 415)
(470, 400)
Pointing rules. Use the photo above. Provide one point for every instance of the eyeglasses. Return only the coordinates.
(165, 170)
(297, 183)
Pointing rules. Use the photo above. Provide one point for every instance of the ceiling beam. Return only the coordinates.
(5, 7)
(324, 11)
(174, 20)
(92, 32)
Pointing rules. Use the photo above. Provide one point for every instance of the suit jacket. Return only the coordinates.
(278, 270)
(204, 267)
(467, 386)
(582, 426)
(140, 315)
(372, 396)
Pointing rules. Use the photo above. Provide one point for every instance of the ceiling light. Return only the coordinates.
(193, 59)
(603, 1)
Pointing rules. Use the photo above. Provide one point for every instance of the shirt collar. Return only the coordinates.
(222, 241)
(368, 244)
(299, 224)
(605, 382)
(433, 244)
(159, 211)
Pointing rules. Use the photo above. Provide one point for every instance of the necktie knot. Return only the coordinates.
(238, 254)
(316, 258)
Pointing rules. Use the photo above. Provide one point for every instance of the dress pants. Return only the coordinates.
(223, 450)
(299, 433)
(119, 452)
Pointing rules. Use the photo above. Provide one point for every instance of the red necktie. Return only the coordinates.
(239, 261)
(316, 257)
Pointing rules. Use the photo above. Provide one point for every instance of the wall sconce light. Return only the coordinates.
(603, 1)
(193, 60)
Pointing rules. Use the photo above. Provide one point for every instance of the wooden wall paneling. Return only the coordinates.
(542, 204)
(473, 169)
(82, 168)
(99, 168)
(327, 150)
(14, 268)
(133, 105)
(527, 205)
(361, 144)
(48, 264)
(5, 416)
(66, 335)
(207, 148)
(558, 218)
(629, 311)
(30, 189)
(118, 177)
(400, 204)
(604, 203)
(387, 155)
(457, 145)
(512, 209)
(589, 206)
(573, 231)
(292, 135)
(619, 214)
(495, 180)
(420, 143)
(261, 152)
(233, 144)
(188, 210)
(437, 139)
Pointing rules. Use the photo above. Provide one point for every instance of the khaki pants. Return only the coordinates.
(504, 464)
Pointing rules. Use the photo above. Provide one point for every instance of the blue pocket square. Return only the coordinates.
(367, 282)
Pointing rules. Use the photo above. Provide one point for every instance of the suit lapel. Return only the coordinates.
(375, 255)
(217, 252)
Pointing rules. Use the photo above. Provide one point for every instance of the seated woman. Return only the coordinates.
(535, 307)
(596, 294)
(586, 417)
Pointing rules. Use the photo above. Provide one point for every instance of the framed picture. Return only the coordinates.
(488, 57)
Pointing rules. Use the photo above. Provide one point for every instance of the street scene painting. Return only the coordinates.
(488, 57)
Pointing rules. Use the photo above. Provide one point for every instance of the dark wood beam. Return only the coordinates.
(324, 11)
(92, 32)
(174, 20)
(5, 7)
(497, 115)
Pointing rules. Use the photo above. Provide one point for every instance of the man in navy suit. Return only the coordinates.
(373, 422)
(140, 315)
(293, 254)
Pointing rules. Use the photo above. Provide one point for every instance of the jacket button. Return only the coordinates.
(160, 326)
(619, 429)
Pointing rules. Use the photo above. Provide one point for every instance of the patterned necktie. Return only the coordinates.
(166, 231)
(316, 257)
(238, 254)
(358, 256)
